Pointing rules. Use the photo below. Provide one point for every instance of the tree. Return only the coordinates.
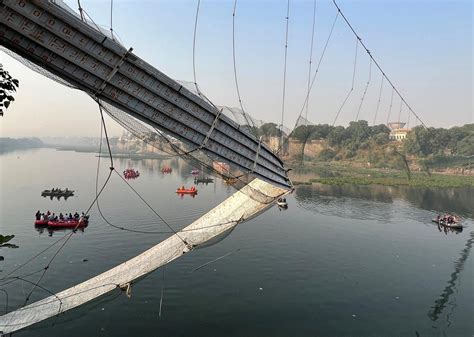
(270, 130)
(8, 86)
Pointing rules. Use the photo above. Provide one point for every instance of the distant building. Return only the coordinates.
(397, 131)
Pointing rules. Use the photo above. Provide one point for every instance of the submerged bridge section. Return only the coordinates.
(52, 36)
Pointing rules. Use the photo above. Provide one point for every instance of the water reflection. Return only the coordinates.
(351, 201)
(440, 304)
(339, 199)
(51, 197)
(446, 230)
(50, 231)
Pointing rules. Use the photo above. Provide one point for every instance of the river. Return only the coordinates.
(341, 261)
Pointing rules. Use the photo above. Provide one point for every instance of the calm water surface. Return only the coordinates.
(341, 261)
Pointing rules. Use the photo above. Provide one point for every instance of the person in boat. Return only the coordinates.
(69, 216)
(76, 216)
(61, 216)
(38, 215)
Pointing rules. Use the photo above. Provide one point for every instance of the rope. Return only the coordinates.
(310, 58)
(400, 111)
(233, 58)
(31, 259)
(390, 107)
(151, 208)
(378, 102)
(376, 63)
(112, 169)
(68, 237)
(194, 45)
(212, 169)
(111, 17)
(162, 290)
(408, 121)
(212, 261)
(365, 90)
(284, 74)
(80, 9)
(352, 85)
(315, 75)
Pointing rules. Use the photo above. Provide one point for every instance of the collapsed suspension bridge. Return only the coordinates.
(52, 39)
(55, 41)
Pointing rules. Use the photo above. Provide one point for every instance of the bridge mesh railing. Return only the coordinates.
(205, 162)
(36, 68)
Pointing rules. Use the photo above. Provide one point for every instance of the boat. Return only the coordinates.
(57, 192)
(442, 222)
(131, 174)
(203, 180)
(192, 191)
(41, 222)
(69, 223)
(194, 172)
(166, 170)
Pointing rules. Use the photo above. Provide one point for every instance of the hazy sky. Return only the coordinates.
(425, 47)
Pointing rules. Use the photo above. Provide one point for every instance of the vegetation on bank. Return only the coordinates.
(363, 154)
(339, 174)
(359, 142)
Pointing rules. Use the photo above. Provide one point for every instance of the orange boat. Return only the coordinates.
(183, 190)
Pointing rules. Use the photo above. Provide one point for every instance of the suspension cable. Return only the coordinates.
(310, 59)
(80, 10)
(194, 45)
(365, 90)
(400, 111)
(317, 68)
(352, 85)
(378, 102)
(284, 74)
(112, 169)
(390, 107)
(233, 58)
(376, 63)
(111, 17)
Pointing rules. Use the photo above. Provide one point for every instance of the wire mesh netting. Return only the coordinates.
(207, 162)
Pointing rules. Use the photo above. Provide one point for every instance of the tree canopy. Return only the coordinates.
(424, 142)
(8, 86)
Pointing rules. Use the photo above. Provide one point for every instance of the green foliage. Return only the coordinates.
(357, 136)
(269, 130)
(438, 141)
(326, 155)
(5, 238)
(8, 86)
(340, 175)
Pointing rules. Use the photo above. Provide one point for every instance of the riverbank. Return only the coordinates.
(335, 174)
